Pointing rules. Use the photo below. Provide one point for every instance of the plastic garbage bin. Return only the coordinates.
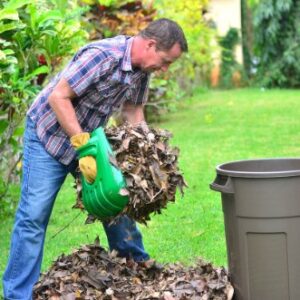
(261, 205)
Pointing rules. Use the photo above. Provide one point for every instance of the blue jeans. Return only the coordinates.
(43, 176)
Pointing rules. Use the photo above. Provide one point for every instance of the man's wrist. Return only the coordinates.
(79, 139)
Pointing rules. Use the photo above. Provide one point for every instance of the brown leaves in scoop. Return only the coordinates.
(149, 166)
(91, 273)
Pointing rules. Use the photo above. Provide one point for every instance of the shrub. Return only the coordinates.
(230, 68)
(193, 69)
(277, 34)
(34, 38)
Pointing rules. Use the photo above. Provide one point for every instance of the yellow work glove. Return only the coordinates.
(87, 164)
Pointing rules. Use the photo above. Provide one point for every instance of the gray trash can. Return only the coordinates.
(261, 205)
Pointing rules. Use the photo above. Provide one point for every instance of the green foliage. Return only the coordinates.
(277, 29)
(34, 38)
(229, 64)
(164, 96)
(247, 36)
(192, 69)
(106, 3)
(210, 128)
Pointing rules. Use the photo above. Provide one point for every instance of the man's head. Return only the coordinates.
(158, 45)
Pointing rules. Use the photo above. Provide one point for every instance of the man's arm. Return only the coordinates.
(134, 114)
(60, 102)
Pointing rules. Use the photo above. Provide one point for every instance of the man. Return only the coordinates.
(102, 77)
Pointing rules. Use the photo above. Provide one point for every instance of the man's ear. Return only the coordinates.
(151, 43)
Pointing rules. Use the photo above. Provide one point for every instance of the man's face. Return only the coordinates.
(159, 60)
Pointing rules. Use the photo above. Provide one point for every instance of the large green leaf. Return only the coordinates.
(50, 15)
(50, 33)
(39, 70)
(15, 4)
(32, 10)
(8, 51)
(9, 14)
(19, 131)
(3, 126)
(89, 2)
(8, 26)
(14, 143)
(62, 5)
(11, 60)
(52, 44)
(2, 55)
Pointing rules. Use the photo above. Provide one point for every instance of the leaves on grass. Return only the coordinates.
(92, 273)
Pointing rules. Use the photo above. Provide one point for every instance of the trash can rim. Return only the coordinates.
(221, 168)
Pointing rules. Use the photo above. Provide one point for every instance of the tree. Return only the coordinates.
(277, 37)
(247, 36)
(229, 65)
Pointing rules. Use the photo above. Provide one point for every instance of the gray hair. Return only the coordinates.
(166, 33)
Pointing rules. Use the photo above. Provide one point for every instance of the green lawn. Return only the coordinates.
(210, 128)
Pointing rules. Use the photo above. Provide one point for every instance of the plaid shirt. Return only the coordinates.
(102, 77)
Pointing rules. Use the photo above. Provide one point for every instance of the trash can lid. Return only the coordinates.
(261, 168)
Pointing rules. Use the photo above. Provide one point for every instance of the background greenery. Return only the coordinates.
(275, 49)
(229, 65)
(35, 38)
(210, 128)
(38, 37)
(194, 68)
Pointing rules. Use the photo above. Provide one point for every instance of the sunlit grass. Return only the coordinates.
(210, 128)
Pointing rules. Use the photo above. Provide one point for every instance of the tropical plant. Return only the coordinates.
(34, 38)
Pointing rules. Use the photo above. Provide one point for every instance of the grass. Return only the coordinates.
(210, 128)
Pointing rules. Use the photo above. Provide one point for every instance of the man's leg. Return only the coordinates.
(125, 238)
(42, 179)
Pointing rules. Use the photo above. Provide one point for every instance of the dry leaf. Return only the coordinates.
(149, 166)
(92, 273)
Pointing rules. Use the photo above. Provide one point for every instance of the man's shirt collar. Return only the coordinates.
(126, 63)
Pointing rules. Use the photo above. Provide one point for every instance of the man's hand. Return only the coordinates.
(133, 114)
(142, 126)
(87, 164)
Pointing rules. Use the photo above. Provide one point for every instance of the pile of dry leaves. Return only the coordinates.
(150, 167)
(91, 273)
